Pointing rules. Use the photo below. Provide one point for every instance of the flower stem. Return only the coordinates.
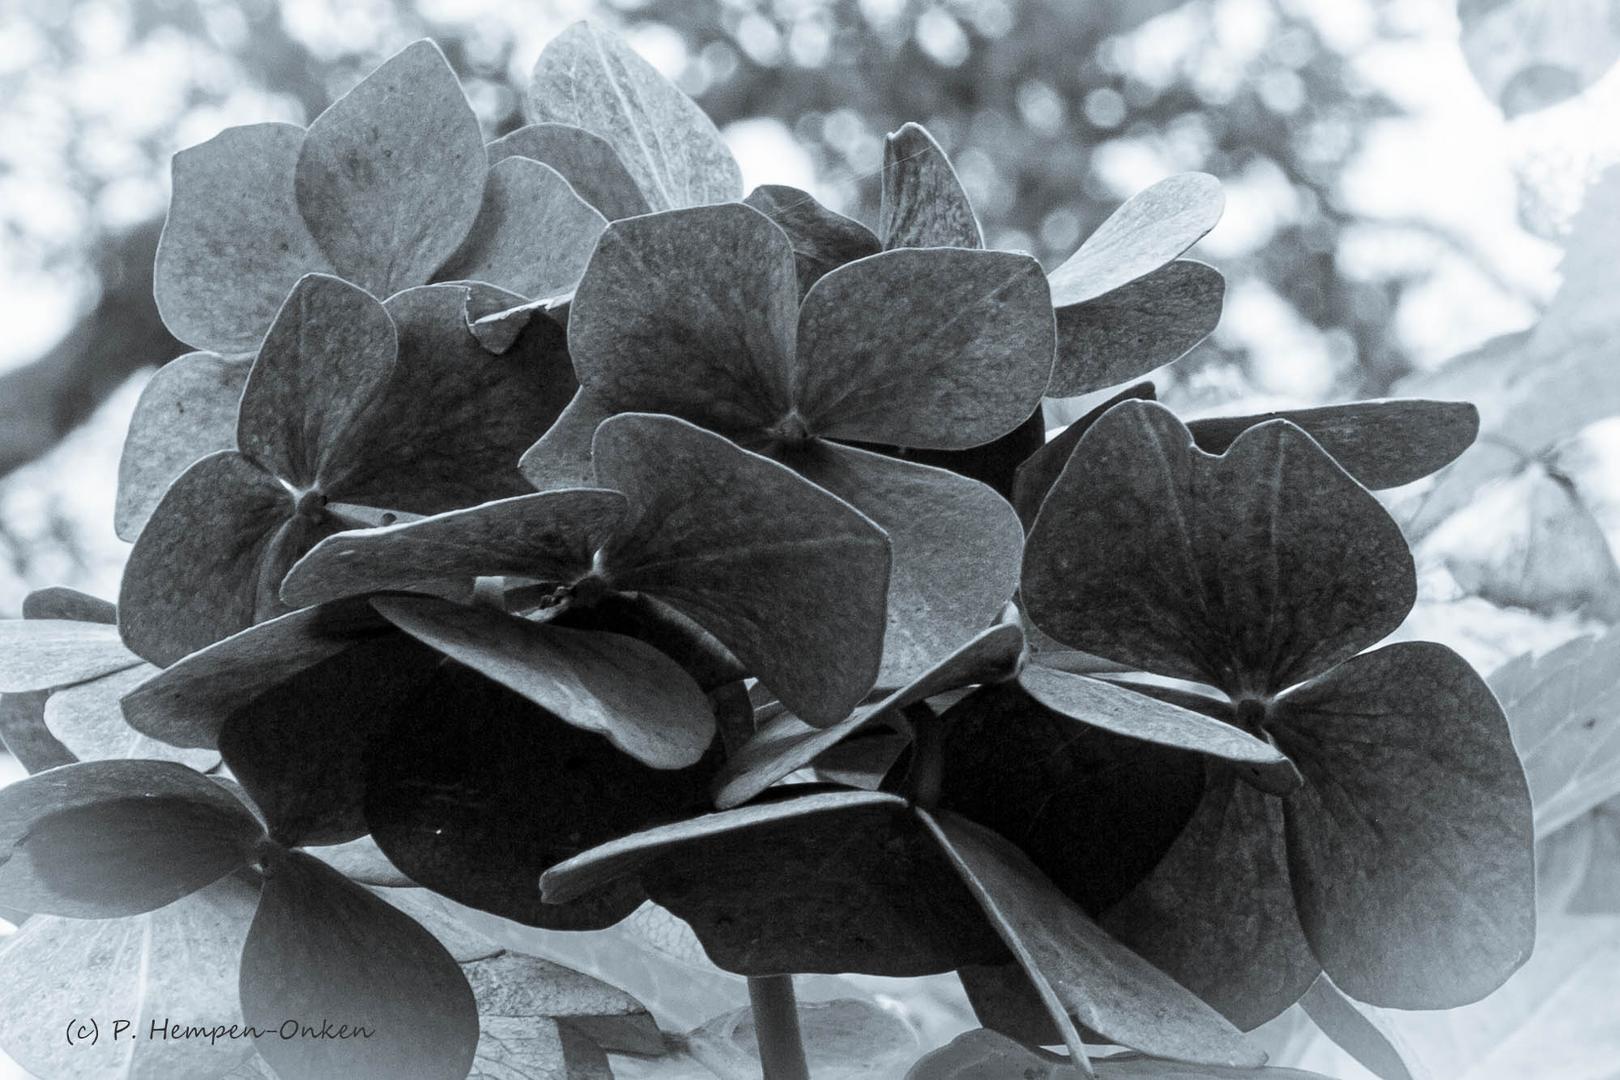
(776, 1025)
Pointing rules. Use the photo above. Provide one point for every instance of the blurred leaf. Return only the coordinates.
(923, 204)
(323, 949)
(389, 177)
(186, 411)
(591, 79)
(843, 1040)
(175, 967)
(1149, 552)
(1079, 970)
(533, 234)
(588, 162)
(104, 839)
(1529, 54)
(1364, 1038)
(1564, 709)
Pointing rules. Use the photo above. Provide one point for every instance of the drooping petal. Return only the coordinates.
(789, 578)
(942, 349)
(690, 312)
(391, 176)
(589, 78)
(1410, 846)
(234, 242)
(1150, 552)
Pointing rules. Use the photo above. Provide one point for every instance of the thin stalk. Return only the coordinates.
(776, 1025)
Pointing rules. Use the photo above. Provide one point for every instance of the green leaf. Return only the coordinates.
(822, 239)
(323, 364)
(1141, 325)
(1041, 469)
(588, 162)
(922, 203)
(843, 1040)
(1078, 969)
(942, 349)
(589, 78)
(533, 234)
(616, 686)
(165, 971)
(1240, 947)
(1150, 552)
(324, 949)
(787, 744)
(595, 869)
(1351, 1029)
(89, 722)
(187, 703)
(389, 178)
(1383, 444)
(103, 839)
(1410, 845)
(1044, 781)
(186, 411)
(1564, 711)
(1528, 54)
(476, 791)
(690, 313)
(955, 545)
(1123, 711)
(210, 561)
(1148, 231)
(234, 242)
(827, 882)
(549, 537)
(39, 654)
(789, 578)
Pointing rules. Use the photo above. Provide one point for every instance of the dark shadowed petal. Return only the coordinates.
(476, 792)
(831, 882)
(533, 232)
(211, 560)
(922, 202)
(1148, 231)
(1041, 469)
(24, 734)
(789, 578)
(822, 239)
(689, 312)
(185, 412)
(1044, 782)
(550, 536)
(188, 702)
(451, 423)
(956, 547)
(943, 349)
(390, 177)
(1383, 444)
(322, 948)
(234, 242)
(616, 686)
(322, 366)
(1077, 968)
(586, 161)
(104, 839)
(562, 456)
(786, 744)
(1251, 571)
(590, 78)
(1410, 845)
(1217, 913)
(1142, 325)
(61, 602)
